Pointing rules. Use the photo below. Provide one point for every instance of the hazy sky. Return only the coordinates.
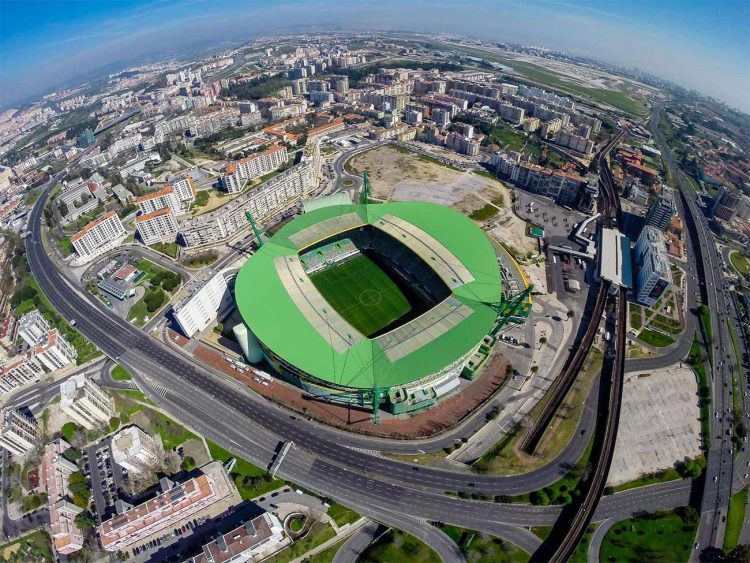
(702, 44)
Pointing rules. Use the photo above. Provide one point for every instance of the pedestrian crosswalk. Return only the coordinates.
(374, 453)
(160, 390)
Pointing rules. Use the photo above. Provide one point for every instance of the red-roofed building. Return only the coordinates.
(99, 236)
(237, 173)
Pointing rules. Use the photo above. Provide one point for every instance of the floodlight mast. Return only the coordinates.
(255, 228)
(515, 308)
(365, 188)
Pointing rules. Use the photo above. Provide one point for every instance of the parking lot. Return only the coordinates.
(553, 218)
(108, 480)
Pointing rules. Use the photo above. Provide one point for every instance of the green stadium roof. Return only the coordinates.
(273, 316)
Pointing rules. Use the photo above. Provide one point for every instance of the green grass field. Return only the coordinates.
(362, 293)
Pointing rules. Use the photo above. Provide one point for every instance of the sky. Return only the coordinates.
(701, 44)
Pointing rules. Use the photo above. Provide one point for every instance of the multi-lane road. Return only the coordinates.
(712, 292)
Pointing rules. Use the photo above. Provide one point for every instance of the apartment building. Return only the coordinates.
(184, 190)
(551, 127)
(19, 371)
(662, 209)
(135, 450)
(157, 226)
(204, 302)
(462, 144)
(85, 402)
(19, 433)
(511, 113)
(99, 236)
(176, 503)
(54, 351)
(237, 173)
(33, 327)
(654, 273)
(254, 540)
(267, 203)
(56, 470)
(165, 198)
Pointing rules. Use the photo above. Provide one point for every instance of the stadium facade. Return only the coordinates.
(383, 304)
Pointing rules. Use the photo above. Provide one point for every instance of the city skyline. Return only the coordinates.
(670, 39)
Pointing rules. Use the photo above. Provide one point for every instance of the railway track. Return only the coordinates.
(562, 384)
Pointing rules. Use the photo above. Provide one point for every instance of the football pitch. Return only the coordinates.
(362, 293)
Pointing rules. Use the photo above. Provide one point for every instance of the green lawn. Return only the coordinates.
(480, 547)
(362, 293)
(484, 213)
(342, 515)
(168, 248)
(66, 247)
(138, 313)
(119, 373)
(735, 519)
(319, 533)
(172, 434)
(660, 477)
(513, 140)
(251, 481)
(654, 338)
(740, 262)
(396, 546)
(660, 537)
(705, 317)
(581, 554)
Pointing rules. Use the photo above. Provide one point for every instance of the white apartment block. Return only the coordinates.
(85, 402)
(56, 470)
(157, 226)
(237, 173)
(654, 272)
(19, 433)
(175, 504)
(135, 450)
(184, 189)
(32, 327)
(165, 198)
(54, 351)
(267, 203)
(203, 305)
(99, 236)
(19, 371)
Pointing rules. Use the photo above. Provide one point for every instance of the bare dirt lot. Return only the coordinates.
(397, 174)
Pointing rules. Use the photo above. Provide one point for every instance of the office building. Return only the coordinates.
(135, 450)
(157, 226)
(203, 304)
(254, 540)
(174, 505)
(237, 173)
(56, 470)
(85, 139)
(165, 198)
(54, 351)
(85, 402)
(99, 236)
(662, 209)
(19, 433)
(33, 327)
(726, 203)
(654, 274)
(19, 371)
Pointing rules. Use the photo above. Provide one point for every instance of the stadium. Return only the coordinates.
(376, 305)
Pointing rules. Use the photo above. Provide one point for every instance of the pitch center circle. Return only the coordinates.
(370, 297)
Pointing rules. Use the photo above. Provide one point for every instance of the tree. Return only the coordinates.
(85, 520)
(543, 340)
(79, 489)
(188, 464)
(570, 314)
(534, 369)
(114, 423)
(539, 498)
(508, 368)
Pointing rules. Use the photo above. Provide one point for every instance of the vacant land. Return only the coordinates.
(362, 293)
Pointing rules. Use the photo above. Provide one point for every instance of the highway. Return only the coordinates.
(720, 458)
(394, 493)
